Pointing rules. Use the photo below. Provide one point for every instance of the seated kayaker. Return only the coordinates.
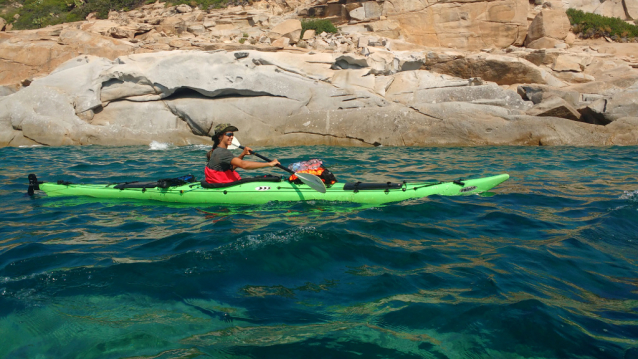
(221, 162)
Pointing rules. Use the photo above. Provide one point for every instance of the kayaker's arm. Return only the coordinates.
(251, 165)
(244, 153)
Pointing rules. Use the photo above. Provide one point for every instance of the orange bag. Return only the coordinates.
(326, 176)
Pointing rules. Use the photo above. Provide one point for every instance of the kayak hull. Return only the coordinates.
(264, 192)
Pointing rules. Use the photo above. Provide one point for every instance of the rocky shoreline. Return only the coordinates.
(170, 74)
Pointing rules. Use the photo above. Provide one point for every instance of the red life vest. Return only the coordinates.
(213, 176)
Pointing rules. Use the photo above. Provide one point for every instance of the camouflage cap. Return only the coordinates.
(223, 127)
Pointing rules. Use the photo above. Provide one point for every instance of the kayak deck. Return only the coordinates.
(259, 192)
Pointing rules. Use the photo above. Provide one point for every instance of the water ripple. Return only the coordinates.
(544, 266)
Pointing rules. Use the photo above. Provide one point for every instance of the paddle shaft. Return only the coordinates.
(268, 160)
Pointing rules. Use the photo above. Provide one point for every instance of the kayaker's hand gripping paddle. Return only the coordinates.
(310, 180)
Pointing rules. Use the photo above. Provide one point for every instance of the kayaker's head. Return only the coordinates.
(224, 133)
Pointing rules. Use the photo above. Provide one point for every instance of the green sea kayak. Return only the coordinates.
(260, 190)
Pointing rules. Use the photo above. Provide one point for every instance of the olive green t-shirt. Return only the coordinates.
(220, 160)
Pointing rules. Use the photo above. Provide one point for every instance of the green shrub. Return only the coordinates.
(242, 40)
(8, 17)
(41, 13)
(592, 25)
(204, 4)
(319, 25)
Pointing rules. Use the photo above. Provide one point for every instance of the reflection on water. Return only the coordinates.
(543, 267)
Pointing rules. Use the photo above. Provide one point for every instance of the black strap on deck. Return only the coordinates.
(361, 186)
(136, 184)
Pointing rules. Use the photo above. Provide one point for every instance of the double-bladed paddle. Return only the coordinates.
(308, 179)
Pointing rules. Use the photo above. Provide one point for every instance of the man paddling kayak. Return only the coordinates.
(221, 162)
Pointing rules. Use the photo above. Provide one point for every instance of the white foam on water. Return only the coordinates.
(630, 195)
(159, 146)
(27, 146)
(254, 242)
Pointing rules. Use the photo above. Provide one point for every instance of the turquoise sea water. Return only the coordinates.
(545, 266)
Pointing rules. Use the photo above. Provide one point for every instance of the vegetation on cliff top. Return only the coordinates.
(590, 25)
(319, 25)
(33, 14)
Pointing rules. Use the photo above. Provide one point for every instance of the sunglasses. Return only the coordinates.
(229, 134)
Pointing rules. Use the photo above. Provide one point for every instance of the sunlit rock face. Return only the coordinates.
(304, 99)
(469, 25)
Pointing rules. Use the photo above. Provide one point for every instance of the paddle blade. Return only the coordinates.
(312, 181)
(235, 144)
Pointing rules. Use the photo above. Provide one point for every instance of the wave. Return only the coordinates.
(630, 195)
(159, 146)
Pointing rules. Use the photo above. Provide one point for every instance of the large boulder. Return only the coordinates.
(612, 8)
(290, 29)
(80, 79)
(539, 93)
(93, 44)
(566, 62)
(316, 66)
(116, 89)
(583, 5)
(574, 77)
(457, 126)
(462, 25)
(346, 79)
(183, 8)
(176, 70)
(309, 34)
(368, 10)
(555, 107)
(151, 117)
(448, 110)
(102, 27)
(25, 57)
(552, 23)
(167, 96)
(622, 104)
(171, 26)
(281, 42)
(386, 28)
(382, 62)
(623, 132)
(202, 113)
(402, 86)
(594, 112)
(543, 43)
(358, 13)
(489, 94)
(541, 56)
(43, 115)
(504, 70)
(122, 32)
(196, 29)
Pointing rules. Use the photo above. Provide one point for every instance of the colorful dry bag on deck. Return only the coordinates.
(315, 167)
